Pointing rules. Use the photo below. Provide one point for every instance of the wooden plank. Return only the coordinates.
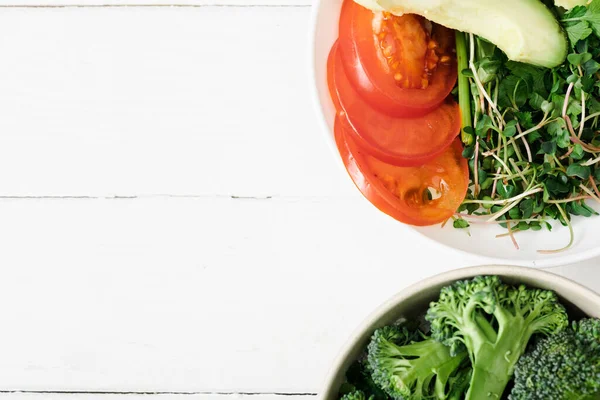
(193, 295)
(162, 293)
(143, 3)
(138, 101)
(147, 396)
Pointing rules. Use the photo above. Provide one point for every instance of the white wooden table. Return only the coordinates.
(172, 224)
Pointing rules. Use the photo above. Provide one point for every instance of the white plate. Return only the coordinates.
(482, 240)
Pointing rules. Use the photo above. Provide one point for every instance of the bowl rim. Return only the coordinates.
(327, 387)
(553, 261)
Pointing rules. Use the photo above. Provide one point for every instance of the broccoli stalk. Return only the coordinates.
(494, 322)
(410, 366)
(564, 366)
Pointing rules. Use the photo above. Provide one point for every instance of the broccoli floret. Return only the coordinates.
(358, 377)
(493, 322)
(565, 366)
(589, 327)
(356, 395)
(408, 365)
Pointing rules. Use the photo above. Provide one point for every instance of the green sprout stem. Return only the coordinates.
(535, 189)
(571, 234)
(464, 96)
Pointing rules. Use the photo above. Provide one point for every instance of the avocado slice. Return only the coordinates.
(526, 30)
(372, 4)
(568, 4)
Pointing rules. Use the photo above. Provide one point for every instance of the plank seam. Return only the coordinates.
(282, 394)
(149, 196)
(158, 6)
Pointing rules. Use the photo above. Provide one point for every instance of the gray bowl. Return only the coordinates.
(413, 301)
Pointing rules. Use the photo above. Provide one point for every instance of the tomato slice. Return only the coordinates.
(398, 141)
(424, 195)
(403, 66)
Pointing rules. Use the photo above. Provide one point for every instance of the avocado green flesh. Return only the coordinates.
(568, 4)
(524, 29)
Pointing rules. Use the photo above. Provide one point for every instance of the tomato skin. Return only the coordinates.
(398, 141)
(373, 79)
(376, 181)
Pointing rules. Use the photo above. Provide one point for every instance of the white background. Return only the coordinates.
(172, 224)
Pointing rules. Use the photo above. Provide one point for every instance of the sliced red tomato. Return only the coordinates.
(403, 66)
(424, 195)
(398, 141)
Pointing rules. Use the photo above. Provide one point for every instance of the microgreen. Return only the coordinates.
(532, 135)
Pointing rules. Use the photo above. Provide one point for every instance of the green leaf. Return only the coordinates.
(592, 16)
(513, 91)
(563, 178)
(482, 175)
(487, 184)
(526, 207)
(487, 69)
(538, 207)
(523, 226)
(573, 78)
(563, 140)
(536, 101)
(487, 206)
(506, 191)
(587, 84)
(555, 127)
(575, 12)
(591, 67)
(460, 223)
(549, 147)
(533, 76)
(467, 72)
(577, 153)
(525, 119)
(579, 171)
(590, 209)
(484, 125)
(468, 152)
(514, 213)
(533, 136)
(547, 107)
(555, 187)
(510, 129)
(578, 208)
(556, 86)
(546, 194)
(578, 59)
(593, 105)
(573, 108)
(578, 31)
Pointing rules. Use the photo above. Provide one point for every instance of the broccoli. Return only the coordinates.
(408, 365)
(460, 384)
(493, 322)
(356, 395)
(565, 366)
(358, 378)
(589, 327)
